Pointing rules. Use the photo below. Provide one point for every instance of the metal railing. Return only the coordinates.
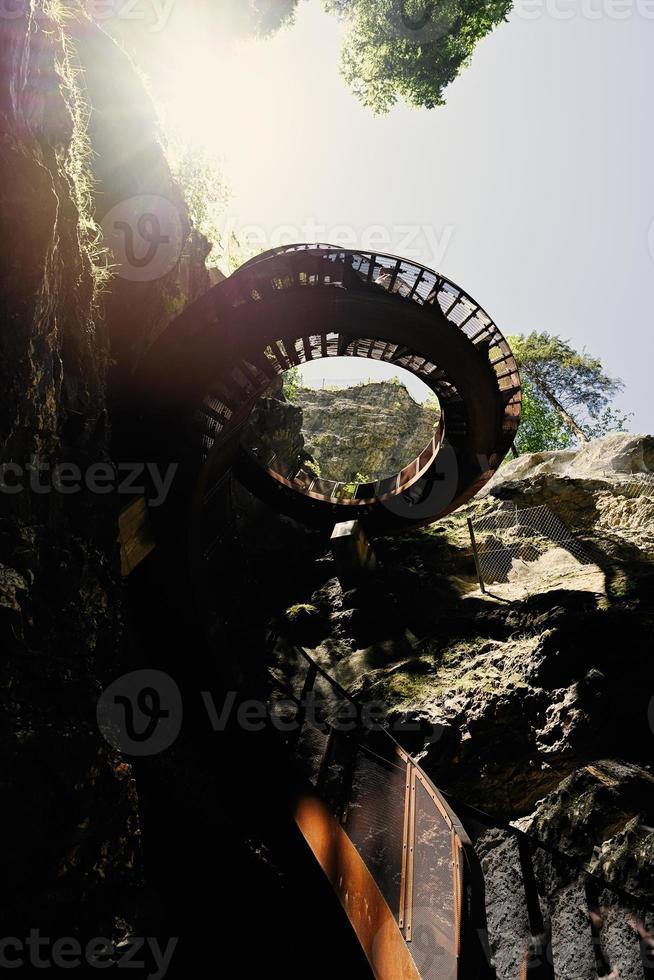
(420, 858)
(416, 852)
(305, 265)
(353, 492)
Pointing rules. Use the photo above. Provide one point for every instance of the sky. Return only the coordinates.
(532, 188)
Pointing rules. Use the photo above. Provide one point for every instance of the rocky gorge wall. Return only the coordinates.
(535, 709)
(367, 431)
(79, 137)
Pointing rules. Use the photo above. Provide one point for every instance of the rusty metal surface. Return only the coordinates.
(224, 351)
(370, 916)
(387, 840)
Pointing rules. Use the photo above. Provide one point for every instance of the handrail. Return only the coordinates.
(387, 816)
(468, 955)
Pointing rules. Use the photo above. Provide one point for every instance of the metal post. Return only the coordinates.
(475, 552)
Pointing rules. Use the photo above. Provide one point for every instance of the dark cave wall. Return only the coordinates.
(70, 859)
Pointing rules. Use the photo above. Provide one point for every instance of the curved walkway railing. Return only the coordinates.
(401, 861)
(394, 851)
(405, 279)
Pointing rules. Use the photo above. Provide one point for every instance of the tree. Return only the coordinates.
(572, 385)
(292, 383)
(541, 428)
(411, 49)
(394, 49)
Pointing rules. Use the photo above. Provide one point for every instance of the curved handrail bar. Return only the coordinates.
(445, 939)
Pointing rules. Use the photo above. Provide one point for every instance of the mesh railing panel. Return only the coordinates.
(311, 748)
(388, 810)
(433, 921)
(375, 822)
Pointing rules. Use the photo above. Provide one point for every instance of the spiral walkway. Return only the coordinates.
(419, 914)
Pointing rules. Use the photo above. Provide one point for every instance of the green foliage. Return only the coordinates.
(292, 384)
(610, 420)
(312, 467)
(567, 394)
(411, 49)
(245, 17)
(394, 49)
(301, 610)
(349, 489)
(541, 428)
(200, 178)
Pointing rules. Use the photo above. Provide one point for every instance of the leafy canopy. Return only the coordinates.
(567, 394)
(410, 49)
(393, 49)
(541, 428)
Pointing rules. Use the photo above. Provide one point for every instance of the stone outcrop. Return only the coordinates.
(371, 430)
(536, 708)
(366, 431)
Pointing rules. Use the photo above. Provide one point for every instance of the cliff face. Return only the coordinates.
(534, 706)
(370, 430)
(72, 832)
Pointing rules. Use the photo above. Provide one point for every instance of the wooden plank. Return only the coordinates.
(135, 536)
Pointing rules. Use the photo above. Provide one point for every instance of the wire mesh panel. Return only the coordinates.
(311, 750)
(513, 546)
(375, 821)
(636, 485)
(397, 822)
(434, 900)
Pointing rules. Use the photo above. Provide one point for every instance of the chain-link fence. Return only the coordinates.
(521, 550)
(632, 485)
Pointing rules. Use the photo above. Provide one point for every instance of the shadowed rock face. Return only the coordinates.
(536, 708)
(72, 835)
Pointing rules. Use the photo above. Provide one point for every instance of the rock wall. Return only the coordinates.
(370, 430)
(67, 95)
(536, 708)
